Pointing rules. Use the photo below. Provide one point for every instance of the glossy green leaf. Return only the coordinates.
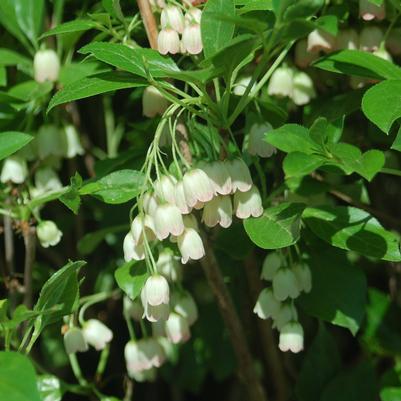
(94, 85)
(11, 141)
(382, 104)
(353, 229)
(30, 14)
(17, 378)
(297, 164)
(131, 278)
(117, 187)
(215, 31)
(359, 63)
(78, 25)
(303, 9)
(278, 227)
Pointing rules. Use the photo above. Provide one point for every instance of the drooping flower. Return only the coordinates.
(154, 313)
(74, 341)
(168, 41)
(267, 305)
(14, 170)
(141, 226)
(291, 338)
(304, 277)
(131, 249)
(197, 187)
(172, 17)
(256, 143)
(179, 198)
(191, 39)
(193, 15)
(190, 245)
(219, 175)
(320, 40)
(303, 88)
(241, 179)
(347, 39)
(149, 203)
(168, 220)
(370, 38)
(153, 102)
(48, 233)
(46, 180)
(369, 11)
(46, 66)
(97, 334)
(168, 265)
(285, 314)
(281, 82)
(164, 188)
(72, 143)
(185, 305)
(156, 290)
(302, 56)
(218, 211)
(247, 204)
(271, 264)
(177, 328)
(285, 284)
(50, 141)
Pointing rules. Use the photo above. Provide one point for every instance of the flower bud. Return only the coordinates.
(190, 245)
(14, 170)
(219, 176)
(320, 40)
(193, 16)
(347, 39)
(369, 11)
(191, 39)
(172, 17)
(156, 290)
(291, 338)
(179, 198)
(165, 188)
(97, 334)
(143, 225)
(303, 89)
(218, 211)
(304, 277)
(177, 328)
(134, 308)
(266, 305)
(131, 249)
(281, 82)
(153, 102)
(168, 220)
(168, 265)
(302, 56)
(370, 38)
(271, 264)
(285, 284)
(241, 179)
(257, 144)
(285, 314)
(247, 204)
(168, 41)
(46, 66)
(197, 187)
(185, 306)
(48, 233)
(73, 145)
(74, 341)
(46, 180)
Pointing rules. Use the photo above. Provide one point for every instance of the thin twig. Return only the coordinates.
(29, 234)
(149, 22)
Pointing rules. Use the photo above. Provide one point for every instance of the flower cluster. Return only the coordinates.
(173, 24)
(277, 302)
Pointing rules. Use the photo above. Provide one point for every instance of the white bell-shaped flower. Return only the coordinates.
(153, 102)
(154, 313)
(172, 17)
(193, 16)
(73, 145)
(168, 265)
(219, 175)
(256, 142)
(285, 284)
(144, 375)
(156, 290)
(134, 308)
(97, 334)
(241, 179)
(48, 233)
(218, 211)
(267, 305)
(143, 225)
(291, 338)
(270, 266)
(281, 82)
(164, 188)
(302, 57)
(191, 41)
(46, 180)
(74, 341)
(179, 198)
(149, 203)
(320, 40)
(177, 328)
(46, 66)
(132, 250)
(190, 245)
(14, 170)
(304, 277)
(285, 314)
(185, 305)
(168, 41)
(369, 11)
(50, 141)
(197, 187)
(370, 38)
(303, 89)
(168, 220)
(247, 204)
(347, 39)
(241, 85)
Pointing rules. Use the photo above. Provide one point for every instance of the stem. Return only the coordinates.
(77, 370)
(149, 22)
(246, 369)
(391, 171)
(29, 234)
(9, 256)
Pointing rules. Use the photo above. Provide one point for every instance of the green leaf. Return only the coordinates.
(131, 277)
(71, 198)
(397, 141)
(17, 378)
(113, 7)
(339, 289)
(359, 63)
(72, 72)
(390, 394)
(49, 388)
(278, 227)
(303, 9)
(9, 57)
(78, 25)
(137, 61)
(30, 15)
(328, 23)
(291, 138)
(353, 229)
(95, 85)
(11, 141)
(382, 104)
(320, 365)
(215, 31)
(117, 187)
(297, 164)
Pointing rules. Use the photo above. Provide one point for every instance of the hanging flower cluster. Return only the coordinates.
(277, 302)
(173, 24)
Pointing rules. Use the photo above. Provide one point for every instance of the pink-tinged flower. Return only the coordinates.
(285, 284)
(46, 66)
(131, 249)
(153, 102)
(197, 187)
(369, 11)
(192, 39)
(97, 334)
(168, 41)
(303, 89)
(256, 141)
(143, 225)
(177, 328)
(219, 176)
(172, 17)
(190, 245)
(267, 305)
(247, 204)
(347, 39)
(281, 82)
(302, 56)
(156, 290)
(180, 199)
(291, 338)
(241, 179)
(168, 220)
(218, 211)
(370, 38)
(319, 40)
(193, 16)
(165, 188)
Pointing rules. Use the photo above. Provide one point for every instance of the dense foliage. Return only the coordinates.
(200, 200)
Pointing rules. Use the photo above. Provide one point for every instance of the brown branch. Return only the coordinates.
(29, 234)
(246, 369)
(149, 22)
